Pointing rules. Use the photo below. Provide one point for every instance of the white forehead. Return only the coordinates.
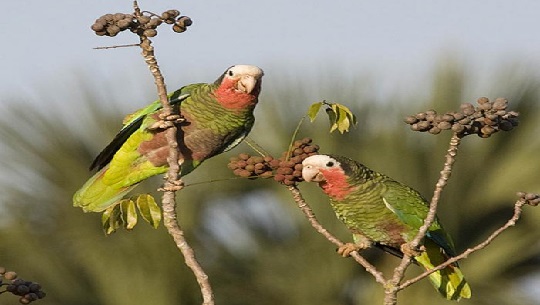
(319, 160)
(246, 70)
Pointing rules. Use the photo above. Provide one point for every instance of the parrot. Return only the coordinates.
(382, 212)
(216, 117)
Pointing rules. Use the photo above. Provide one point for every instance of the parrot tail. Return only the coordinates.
(449, 281)
(96, 196)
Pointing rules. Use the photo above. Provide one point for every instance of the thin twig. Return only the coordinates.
(217, 180)
(518, 208)
(399, 271)
(117, 46)
(173, 182)
(256, 147)
(306, 209)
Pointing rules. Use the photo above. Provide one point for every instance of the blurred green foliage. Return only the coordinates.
(253, 242)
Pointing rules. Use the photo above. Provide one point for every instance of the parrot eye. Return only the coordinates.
(230, 73)
(330, 164)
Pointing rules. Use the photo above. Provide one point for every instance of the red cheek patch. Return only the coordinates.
(335, 184)
(230, 98)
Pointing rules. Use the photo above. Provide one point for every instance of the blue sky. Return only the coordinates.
(396, 41)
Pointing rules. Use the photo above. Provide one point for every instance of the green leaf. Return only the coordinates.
(350, 115)
(314, 110)
(128, 213)
(111, 219)
(149, 209)
(332, 117)
(341, 117)
(343, 122)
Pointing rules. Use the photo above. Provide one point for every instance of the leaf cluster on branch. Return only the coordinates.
(124, 214)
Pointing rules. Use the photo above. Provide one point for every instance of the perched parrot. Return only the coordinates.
(382, 212)
(218, 116)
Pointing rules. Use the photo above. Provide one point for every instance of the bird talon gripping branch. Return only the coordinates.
(348, 248)
(160, 125)
(412, 252)
(169, 117)
(166, 121)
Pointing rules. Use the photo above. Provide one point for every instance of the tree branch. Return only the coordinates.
(173, 182)
(399, 271)
(518, 208)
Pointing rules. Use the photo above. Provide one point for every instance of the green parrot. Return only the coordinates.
(382, 212)
(218, 116)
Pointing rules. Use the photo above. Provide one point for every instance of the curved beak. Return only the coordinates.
(247, 83)
(312, 174)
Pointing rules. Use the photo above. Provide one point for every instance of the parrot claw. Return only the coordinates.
(348, 248)
(167, 121)
(160, 125)
(409, 251)
(175, 118)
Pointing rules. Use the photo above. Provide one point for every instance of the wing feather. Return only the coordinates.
(132, 123)
(411, 208)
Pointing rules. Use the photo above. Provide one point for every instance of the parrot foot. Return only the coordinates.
(167, 121)
(347, 248)
(409, 251)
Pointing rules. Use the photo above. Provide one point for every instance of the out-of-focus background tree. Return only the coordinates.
(255, 245)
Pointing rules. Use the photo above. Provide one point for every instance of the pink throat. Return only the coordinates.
(229, 97)
(335, 184)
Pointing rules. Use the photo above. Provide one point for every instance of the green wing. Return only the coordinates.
(411, 208)
(131, 123)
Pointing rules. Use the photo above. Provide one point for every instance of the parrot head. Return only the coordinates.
(331, 172)
(239, 86)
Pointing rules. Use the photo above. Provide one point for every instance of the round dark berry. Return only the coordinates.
(22, 289)
(98, 27)
(144, 20)
(178, 29)
(150, 33)
(483, 100)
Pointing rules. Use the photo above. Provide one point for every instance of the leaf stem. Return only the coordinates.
(256, 147)
(295, 133)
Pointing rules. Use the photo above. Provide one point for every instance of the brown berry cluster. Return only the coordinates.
(483, 120)
(286, 170)
(252, 167)
(179, 24)
(289, 171)
(28, 291)
(530, 198)
(112, 24)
